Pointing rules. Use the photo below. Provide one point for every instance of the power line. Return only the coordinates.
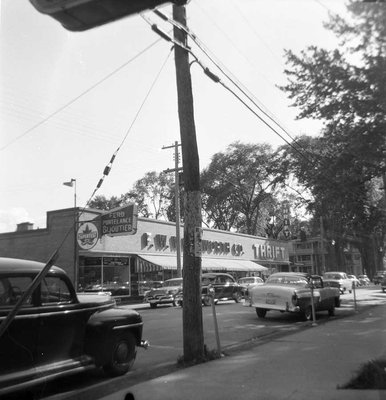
(44, 120)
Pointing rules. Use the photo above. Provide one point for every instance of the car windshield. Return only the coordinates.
(247, 280)
(287, 280)
(333, 276)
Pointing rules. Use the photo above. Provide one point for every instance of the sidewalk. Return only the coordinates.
(307, 365)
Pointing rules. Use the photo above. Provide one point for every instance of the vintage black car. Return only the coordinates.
(55, 332)
(219, 286)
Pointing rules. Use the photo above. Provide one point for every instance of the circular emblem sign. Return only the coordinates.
(87, 236)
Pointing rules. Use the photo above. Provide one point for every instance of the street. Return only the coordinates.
(238, 325)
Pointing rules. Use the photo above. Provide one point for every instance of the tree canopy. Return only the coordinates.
(346, 89)
(238, 188)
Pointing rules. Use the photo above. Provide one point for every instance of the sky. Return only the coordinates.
(69, 100)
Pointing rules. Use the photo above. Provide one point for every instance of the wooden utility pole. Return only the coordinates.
(193, 336)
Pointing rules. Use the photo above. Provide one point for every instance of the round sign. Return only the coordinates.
(87, 235)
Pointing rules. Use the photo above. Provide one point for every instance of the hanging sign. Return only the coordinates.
(120, 221)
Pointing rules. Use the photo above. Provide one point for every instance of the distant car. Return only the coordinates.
(383, 284)
(339, 277)
(364, 280)
(247, 282)
(144, 287)
(378, 277)
(291, 292)
(114, 289)
(224, 286)
(164, 294)
(354, 280)
(219, 286)
(56, 332)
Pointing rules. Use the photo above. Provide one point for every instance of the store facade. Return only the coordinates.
(112, 253)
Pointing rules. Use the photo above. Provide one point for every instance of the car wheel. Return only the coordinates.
(237, 297)
(308, 313)
(261, 312)
(331, 311)
(122, 354)
(206, 301)
(153, 305)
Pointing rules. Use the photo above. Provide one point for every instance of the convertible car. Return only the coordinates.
(294, 292)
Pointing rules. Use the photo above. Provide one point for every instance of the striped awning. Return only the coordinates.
(152, 262)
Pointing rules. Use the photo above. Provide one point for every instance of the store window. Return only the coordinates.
(97, 273)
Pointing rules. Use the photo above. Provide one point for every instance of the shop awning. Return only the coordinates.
(219, 264)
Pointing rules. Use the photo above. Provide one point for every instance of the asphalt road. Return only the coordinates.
(238, 326)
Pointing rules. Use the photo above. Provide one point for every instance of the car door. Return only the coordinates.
(326, 294)
(223, 287)
(62, 323)
(18, 343)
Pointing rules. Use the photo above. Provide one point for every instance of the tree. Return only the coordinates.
(238, 186)
(101, 202)
(153, 194)
(348, 93)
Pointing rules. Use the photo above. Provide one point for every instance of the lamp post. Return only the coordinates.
(72, 183)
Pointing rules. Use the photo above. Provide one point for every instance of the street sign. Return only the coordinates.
(120, 221)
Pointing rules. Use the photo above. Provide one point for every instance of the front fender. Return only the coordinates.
(103, 326)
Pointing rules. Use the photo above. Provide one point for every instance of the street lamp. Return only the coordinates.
(72, 183)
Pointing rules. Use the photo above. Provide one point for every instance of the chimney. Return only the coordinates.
(25, 226)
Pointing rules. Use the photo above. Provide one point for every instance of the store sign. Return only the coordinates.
(87, 235)
(268, 252)
(121, 221)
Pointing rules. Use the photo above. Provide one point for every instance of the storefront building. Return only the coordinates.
(114, 253)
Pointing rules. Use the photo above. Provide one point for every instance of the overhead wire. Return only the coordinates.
(216, 79)
(73, 100)
(108, 167)
(232, 79)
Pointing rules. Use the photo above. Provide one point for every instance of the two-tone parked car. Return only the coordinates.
(165, 294)
(354, 280)
(340, 278)
(248, 282)
(294, 292)
(364, 280)
(54, 332)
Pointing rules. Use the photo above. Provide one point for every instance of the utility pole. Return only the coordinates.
(176, 170)
(193, 336)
